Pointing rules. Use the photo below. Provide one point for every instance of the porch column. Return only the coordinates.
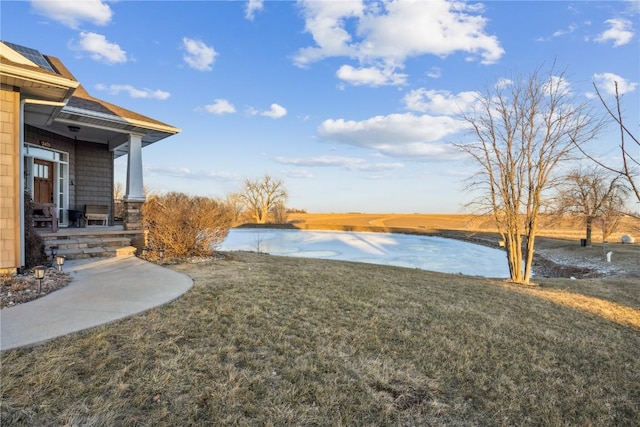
(134, 170)
(134, 196)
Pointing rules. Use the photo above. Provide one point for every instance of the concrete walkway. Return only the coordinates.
(100, 292)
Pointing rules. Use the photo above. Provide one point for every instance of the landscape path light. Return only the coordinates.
(38, 273)
(60, 261)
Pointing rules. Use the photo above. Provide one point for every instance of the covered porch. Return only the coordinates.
(59, 146)
(69, 147)
(69, 163)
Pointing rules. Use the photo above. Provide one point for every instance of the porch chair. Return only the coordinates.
(45, 215)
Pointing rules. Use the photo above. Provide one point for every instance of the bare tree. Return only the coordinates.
(118, 195)
(594, 195)
(261, 196)
(118, 191)
(630, 163)
(279, 213)
(235, 204)
(523, 129)
(610, 218)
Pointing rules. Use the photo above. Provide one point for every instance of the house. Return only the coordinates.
(58, 143)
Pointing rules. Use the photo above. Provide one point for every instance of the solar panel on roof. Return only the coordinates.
(32, 55)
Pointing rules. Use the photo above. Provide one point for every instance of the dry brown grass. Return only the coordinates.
(614, 312)
(264, 340)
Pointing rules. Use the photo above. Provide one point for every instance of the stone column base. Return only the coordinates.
(132, 215)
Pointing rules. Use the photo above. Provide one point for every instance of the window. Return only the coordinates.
(41, 171)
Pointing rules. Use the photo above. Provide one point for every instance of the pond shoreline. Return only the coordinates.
(544, 267)
(427, 251)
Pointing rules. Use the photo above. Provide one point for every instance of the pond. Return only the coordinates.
(402, 250)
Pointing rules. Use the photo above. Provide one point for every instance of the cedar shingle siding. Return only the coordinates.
(94, 169)
(9, 192)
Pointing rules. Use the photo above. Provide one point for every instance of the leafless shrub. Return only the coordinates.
(185, 225)
(33, 242)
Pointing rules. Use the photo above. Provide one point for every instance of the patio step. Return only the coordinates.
(126, 251)
(89, 247)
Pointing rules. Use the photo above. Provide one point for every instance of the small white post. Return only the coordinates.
(609, 256)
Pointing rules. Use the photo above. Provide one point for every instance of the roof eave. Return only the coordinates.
(119, 121)
(20, 74)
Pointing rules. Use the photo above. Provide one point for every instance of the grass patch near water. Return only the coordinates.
(263, 340)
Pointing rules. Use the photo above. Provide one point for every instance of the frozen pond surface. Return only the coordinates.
(403, 250)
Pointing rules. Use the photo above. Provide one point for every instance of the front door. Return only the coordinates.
(42, 181)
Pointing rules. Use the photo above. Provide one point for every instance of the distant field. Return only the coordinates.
(434, 223)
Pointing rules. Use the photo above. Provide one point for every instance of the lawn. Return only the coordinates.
(264, 340)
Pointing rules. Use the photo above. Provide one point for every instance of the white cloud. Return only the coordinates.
(349, 163)
(220, 106)
(199, 56)
(569, 30)
(325, 21)
(433, 27)
(369, 33)
(182, 172)
(557, 85)
(299, 173)
(503, 83)
(397, 135)
(606, 82)
(370, 76)
(73, 13)
(434, 73)
(275, 112)
(620, 32)
(99, 48)
(252, 7)
(560, 33)
(133, 92)
(439, 101)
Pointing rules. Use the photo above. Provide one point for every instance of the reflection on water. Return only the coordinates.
(403, 250)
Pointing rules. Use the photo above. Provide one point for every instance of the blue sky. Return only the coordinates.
(352, 104)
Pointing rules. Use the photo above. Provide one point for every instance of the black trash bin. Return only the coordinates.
(583, 242)
(75, 217)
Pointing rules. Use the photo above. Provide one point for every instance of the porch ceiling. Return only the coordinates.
(95, 128)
